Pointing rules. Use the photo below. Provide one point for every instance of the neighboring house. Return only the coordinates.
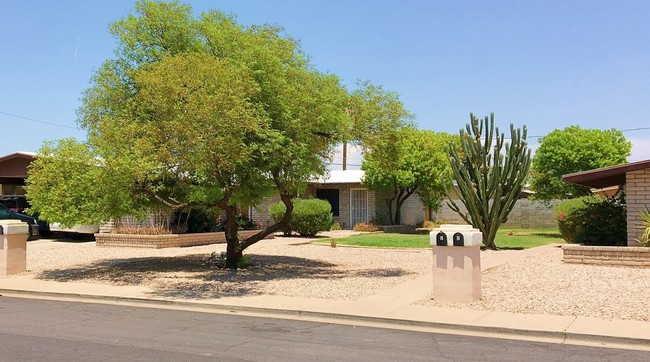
(635, 179)
(351, 202)
(13, 172)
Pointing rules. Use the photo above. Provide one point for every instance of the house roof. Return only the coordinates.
(606, 176)
(341, 177)
(27, 155)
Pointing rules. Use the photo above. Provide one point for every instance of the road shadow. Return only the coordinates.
(190, 277)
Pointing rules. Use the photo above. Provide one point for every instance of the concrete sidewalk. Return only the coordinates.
(391, 308)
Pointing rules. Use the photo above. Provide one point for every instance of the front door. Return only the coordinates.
(358, 206)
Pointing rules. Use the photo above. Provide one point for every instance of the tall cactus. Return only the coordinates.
(489, 180)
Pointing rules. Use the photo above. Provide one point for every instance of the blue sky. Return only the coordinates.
(546, 64)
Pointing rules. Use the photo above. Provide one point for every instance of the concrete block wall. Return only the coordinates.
(525, 214)
(637, 197)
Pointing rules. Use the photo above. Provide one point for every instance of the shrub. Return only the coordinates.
(335, 226)
(429, 224)
(564, 214)
(277, 211)
(308, 218)
(198, 220)
(593, 220)
(246, 223)
(366, 226)
(644, 239)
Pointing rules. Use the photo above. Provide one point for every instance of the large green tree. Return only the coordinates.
(203, 111)
(489, 178)
(570, 150)
(411, 162)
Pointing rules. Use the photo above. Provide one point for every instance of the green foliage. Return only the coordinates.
(409, 162)
(277, 211)
(246, 223)
(200, 111)
(375, 115)
(593, 220)
(489, 178)
(67, 184)
(308, 218)
(335, 226)
(566, 220)
(644, 223)
(570, 150)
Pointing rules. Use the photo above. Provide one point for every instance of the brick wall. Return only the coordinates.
(260, 213)
(637, 197)
(606, 255)
(412, 212)
(167, 240)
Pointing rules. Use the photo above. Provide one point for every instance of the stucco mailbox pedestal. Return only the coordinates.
(456, 263)
(13, 247)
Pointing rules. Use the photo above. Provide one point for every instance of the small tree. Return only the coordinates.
(413, 162)
(570, 150)
(489, 179)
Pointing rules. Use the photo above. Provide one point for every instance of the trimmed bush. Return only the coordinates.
(564, 214)
(277, 211)
(593, 220)
(308, 218)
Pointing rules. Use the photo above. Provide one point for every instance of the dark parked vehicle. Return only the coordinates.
(16, 203)
(6, 213)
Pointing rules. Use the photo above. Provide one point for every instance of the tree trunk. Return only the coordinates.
(397, 219)
(233, 252)
(400, 197)
(389, 203)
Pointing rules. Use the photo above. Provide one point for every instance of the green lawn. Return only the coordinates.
(520, 239)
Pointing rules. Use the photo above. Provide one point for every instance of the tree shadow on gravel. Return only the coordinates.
(189, 276)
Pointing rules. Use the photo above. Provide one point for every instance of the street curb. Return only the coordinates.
(560, 337)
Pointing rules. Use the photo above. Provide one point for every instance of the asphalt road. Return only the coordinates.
(40, 330)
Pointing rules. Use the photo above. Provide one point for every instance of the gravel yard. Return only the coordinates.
(541, 284)
(315, 271)
(545, 285)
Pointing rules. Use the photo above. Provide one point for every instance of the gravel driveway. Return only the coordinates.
(533, 285)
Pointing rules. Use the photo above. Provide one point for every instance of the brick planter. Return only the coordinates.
(607, 255)
(166, 241)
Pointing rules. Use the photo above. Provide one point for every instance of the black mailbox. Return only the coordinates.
(459, 240)
(441, 239)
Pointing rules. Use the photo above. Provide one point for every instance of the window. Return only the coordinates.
(332, 196)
